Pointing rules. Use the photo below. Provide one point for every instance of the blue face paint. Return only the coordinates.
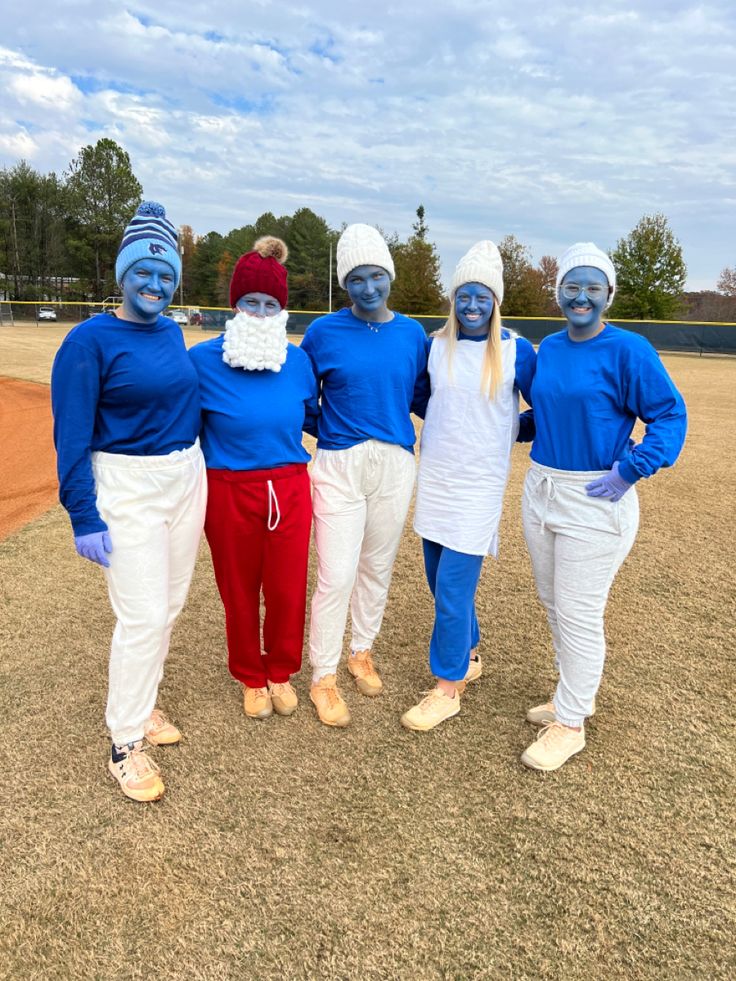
(473, 308)
(258, 305)
(583, 312)
(148, 287)
(368, 288)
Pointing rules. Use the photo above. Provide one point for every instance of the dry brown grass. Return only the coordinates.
(284, 849)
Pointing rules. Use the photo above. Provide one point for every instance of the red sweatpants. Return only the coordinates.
(257, 525)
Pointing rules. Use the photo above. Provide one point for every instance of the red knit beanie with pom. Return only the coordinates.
(262, 271)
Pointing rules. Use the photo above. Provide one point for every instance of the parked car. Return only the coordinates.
(46, 313)
(179, 317)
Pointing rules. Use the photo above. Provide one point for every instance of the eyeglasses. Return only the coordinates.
(595, 291)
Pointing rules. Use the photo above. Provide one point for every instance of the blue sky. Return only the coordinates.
(552, 122)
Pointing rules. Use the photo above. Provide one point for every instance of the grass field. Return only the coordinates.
(287, 850)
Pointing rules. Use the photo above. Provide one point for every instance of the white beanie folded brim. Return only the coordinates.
(482, 263)
(362, 245)
(586, 254)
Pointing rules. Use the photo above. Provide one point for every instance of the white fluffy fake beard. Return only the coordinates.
(255, 343)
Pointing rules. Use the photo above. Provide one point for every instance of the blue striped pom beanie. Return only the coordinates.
(150, 235)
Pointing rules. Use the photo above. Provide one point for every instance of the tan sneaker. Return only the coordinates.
(434, 708)
(139, 777)
(543, 715)
(554, 746)
(361, 667)
(257, 703)
(283, 698)
(159, 731)
(330, 706)
(475, 668)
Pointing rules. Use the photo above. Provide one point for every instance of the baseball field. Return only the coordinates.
(284, 849)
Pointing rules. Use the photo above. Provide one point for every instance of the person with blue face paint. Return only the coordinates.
(370, 363)
(477, 368)
(258, 393)
(125, 401)
(580, 508)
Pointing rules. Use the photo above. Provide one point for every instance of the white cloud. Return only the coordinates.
(18, 145)
(554, 126)
(46, 91)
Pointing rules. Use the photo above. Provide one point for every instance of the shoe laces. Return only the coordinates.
(430, 697)
(158, 721)
(259, 692)
(280, 688)
(364, 659)
(137, 761)
(329, 692)
(553, 732)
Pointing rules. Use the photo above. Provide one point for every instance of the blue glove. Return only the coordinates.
(611, 485)
(94, 546)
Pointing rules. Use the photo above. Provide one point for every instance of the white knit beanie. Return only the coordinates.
(362, 245)
(586, 254)
(482, 263)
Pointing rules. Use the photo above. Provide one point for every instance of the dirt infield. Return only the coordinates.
(29, 485)
(283, 850)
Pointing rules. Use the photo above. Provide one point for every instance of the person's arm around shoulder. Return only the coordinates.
(525, 367)
(310, 346)
(422, 385)
(311, 402)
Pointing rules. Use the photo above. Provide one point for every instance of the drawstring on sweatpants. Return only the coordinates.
(374, 456)
(272, 499)
(550, 496)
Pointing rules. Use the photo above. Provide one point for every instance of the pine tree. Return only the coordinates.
(103, 194)
(650, 272)
(417, 288)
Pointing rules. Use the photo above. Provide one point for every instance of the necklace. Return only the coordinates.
(374, 328)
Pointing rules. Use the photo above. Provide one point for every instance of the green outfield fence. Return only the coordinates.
(665, 335)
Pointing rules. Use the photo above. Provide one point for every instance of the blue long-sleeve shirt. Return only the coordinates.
(587, 396)
(253, 420)
(368, 377)
(118, 387)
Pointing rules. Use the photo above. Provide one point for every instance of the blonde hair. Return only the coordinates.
(492, 372)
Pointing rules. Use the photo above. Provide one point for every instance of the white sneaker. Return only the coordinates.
(475, 667)
(542, 715)
(433, 709)
(554, 746)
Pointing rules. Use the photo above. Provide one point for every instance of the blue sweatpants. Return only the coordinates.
(453, 579)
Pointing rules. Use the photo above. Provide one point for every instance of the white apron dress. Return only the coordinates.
(465, 450)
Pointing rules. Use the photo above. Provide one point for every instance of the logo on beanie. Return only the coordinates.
(155, 249)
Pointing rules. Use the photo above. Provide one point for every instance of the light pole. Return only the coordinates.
(181, 277)
(329, 279)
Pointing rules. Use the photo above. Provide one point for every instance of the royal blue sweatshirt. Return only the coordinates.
(253, 420)
(369, 378)
(587, 396)
(119, 387)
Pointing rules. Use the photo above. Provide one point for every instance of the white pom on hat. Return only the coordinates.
(586, 254)
(482, 263)
(362, 245)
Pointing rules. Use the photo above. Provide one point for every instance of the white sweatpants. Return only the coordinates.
(576, 544)
(154, 508)
(361, 498)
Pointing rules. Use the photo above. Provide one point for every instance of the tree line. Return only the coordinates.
(59, 236)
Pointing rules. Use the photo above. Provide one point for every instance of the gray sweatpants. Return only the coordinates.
(576, 544)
